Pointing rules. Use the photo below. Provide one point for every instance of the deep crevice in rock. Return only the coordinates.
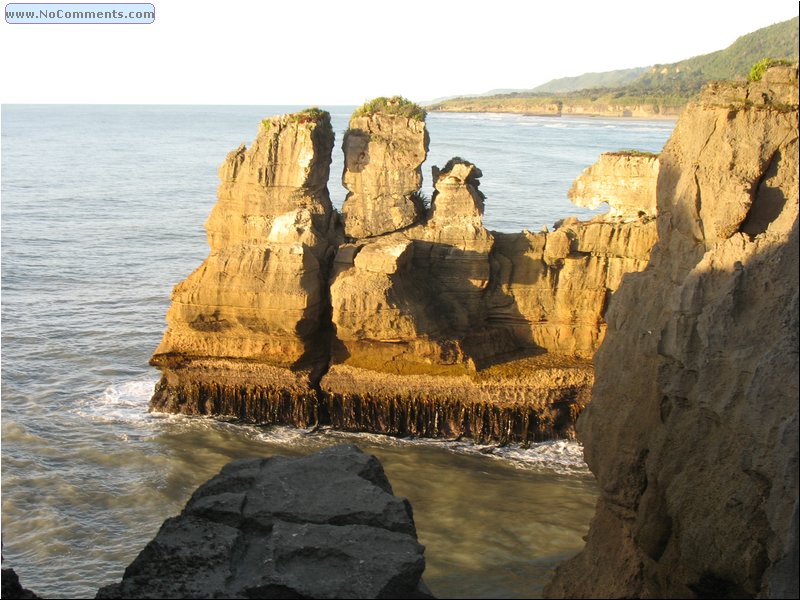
(768, 201)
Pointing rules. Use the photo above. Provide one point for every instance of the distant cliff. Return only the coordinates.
(592, 105)
(644, 92)
(692, 432)
(395, 316)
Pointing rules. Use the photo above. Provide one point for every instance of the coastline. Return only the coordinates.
(569, 115)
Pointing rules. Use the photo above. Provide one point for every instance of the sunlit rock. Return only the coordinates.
(694, 441)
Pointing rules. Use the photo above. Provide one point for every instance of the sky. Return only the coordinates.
(343, 52)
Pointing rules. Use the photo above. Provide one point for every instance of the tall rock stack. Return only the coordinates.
(453, 248)
(695, 444)
(245, 330)
(384, 149)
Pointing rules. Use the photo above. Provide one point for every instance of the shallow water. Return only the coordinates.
(102, 213)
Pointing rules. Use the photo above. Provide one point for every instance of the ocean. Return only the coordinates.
(102, 213)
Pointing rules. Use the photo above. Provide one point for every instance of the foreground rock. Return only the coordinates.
(695, 446)
(12, 588)
(322, 526)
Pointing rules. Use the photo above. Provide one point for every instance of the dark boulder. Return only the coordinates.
(12, 588)
(322, 526)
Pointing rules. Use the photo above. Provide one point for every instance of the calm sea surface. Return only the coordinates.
(102, 213)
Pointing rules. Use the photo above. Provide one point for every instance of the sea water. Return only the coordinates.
(102, 213)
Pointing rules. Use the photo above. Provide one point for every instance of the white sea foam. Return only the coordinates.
(563, 457)
(127, 401)
(124, 402)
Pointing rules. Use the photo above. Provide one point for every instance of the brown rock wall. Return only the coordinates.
(696, 448)
(624, 180)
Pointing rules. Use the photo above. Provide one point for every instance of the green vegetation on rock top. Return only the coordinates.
(308, 115)
(396, 105)
(633, 152)
(758, 70)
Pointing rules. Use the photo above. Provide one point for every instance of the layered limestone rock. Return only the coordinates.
(414, 337)
(404, 302)
(421, 315)
(249, 321)
(552, 289)
(695, 445)
(625, 180)
(383, 156)
(525, 400)
(438, 327)
(322, 526)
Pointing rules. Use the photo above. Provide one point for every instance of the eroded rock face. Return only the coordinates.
(273, 328)
(404, 302)
(322, 526)
(553, 288)
(421, 314)
(260, 297)
(383, 155)
(695, 448)
(625, 180)
(522, 401)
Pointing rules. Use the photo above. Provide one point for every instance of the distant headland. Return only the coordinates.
(657, 91)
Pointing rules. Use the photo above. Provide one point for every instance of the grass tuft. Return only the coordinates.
(396, 105)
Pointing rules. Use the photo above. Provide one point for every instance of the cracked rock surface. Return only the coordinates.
(695, 444)
(321, 526)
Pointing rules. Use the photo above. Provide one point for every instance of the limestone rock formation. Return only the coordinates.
(404, 302)
(528, 399)
(695, 445)
(454, 246)
(258, 301)
(626, 180)
(383, 155)
(423, 324)
(321, 526)
(421, 315)
(552, 289)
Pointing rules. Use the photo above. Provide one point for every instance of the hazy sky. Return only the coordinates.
(346, 51)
